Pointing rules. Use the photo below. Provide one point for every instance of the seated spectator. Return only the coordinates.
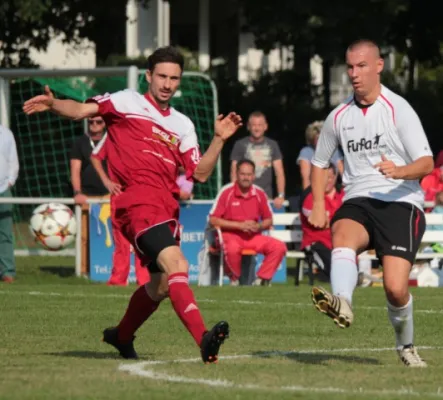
(319, 241)
(306, 153)
(432, 184)
(186, 186)
(242, 212)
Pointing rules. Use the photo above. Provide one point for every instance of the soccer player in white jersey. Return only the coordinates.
(386, 152)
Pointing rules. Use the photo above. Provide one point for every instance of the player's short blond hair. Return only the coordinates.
(257, 114)
(312, 130)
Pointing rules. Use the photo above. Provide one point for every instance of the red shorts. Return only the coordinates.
(135, 213)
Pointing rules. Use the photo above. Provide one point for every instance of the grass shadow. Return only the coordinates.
(97, 355)
(317, 358)
(60, 271)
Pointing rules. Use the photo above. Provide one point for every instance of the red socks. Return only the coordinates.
(140, 308)
(185, 306)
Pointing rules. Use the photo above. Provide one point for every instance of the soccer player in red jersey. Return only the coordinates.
(149, 141)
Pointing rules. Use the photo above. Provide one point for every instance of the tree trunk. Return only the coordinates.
(326, 66)
(411, 72)
(302, 68)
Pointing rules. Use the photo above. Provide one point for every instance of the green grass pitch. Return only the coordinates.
(280, 346)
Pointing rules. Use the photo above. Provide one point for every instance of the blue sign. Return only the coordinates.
(101, 244)
(193, 218)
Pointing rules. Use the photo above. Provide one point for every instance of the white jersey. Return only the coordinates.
(391, 127)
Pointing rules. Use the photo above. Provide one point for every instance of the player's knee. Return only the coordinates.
(172, 260)
(351, 234)
(397, 295)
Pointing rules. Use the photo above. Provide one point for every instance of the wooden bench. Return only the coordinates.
(291, 234)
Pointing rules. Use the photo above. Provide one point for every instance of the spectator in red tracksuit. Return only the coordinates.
(432, 184)
(242, 212)
(319, 241)
(122, 248)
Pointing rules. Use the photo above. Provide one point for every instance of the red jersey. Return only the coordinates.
(311, 234)
(233, 205)
(101, 152)
(147, 145)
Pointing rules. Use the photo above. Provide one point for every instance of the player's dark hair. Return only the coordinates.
(334, 168)
(168, 54)
(245, 161)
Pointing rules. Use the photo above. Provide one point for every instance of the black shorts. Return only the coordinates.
(394, 228)
(152, 242)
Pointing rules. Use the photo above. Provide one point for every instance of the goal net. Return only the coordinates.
(44, 140)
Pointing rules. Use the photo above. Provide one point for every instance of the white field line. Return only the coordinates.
(146, 369)
(245, 302)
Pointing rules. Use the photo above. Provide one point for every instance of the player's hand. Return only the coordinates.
(278, 202)
(113, 187)
(39, 103)
(319, 218)
(225, 127)
(388, 168)
(80, 198)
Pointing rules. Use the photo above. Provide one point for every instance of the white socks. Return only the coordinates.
(403, 323)
(344, 272)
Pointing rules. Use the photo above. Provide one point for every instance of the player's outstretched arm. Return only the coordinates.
(225, 127)
(66, 108)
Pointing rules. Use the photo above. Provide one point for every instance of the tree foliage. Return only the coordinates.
(32, 23)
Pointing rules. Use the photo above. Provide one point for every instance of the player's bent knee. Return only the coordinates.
(172, 260)
(349, 233)
(397, 295)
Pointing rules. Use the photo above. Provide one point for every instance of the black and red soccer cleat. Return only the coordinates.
(126, 350)
(212, 340)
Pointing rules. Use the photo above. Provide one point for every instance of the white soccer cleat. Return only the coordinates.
(409, 357)
(335, 307)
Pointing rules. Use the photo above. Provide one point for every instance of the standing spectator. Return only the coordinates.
(432, 184)
(307, 153)
(121, 258)
(84, 179)
(185, 185)
(265, 154)
(8, 175)
(319, 241)
(242, 212)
